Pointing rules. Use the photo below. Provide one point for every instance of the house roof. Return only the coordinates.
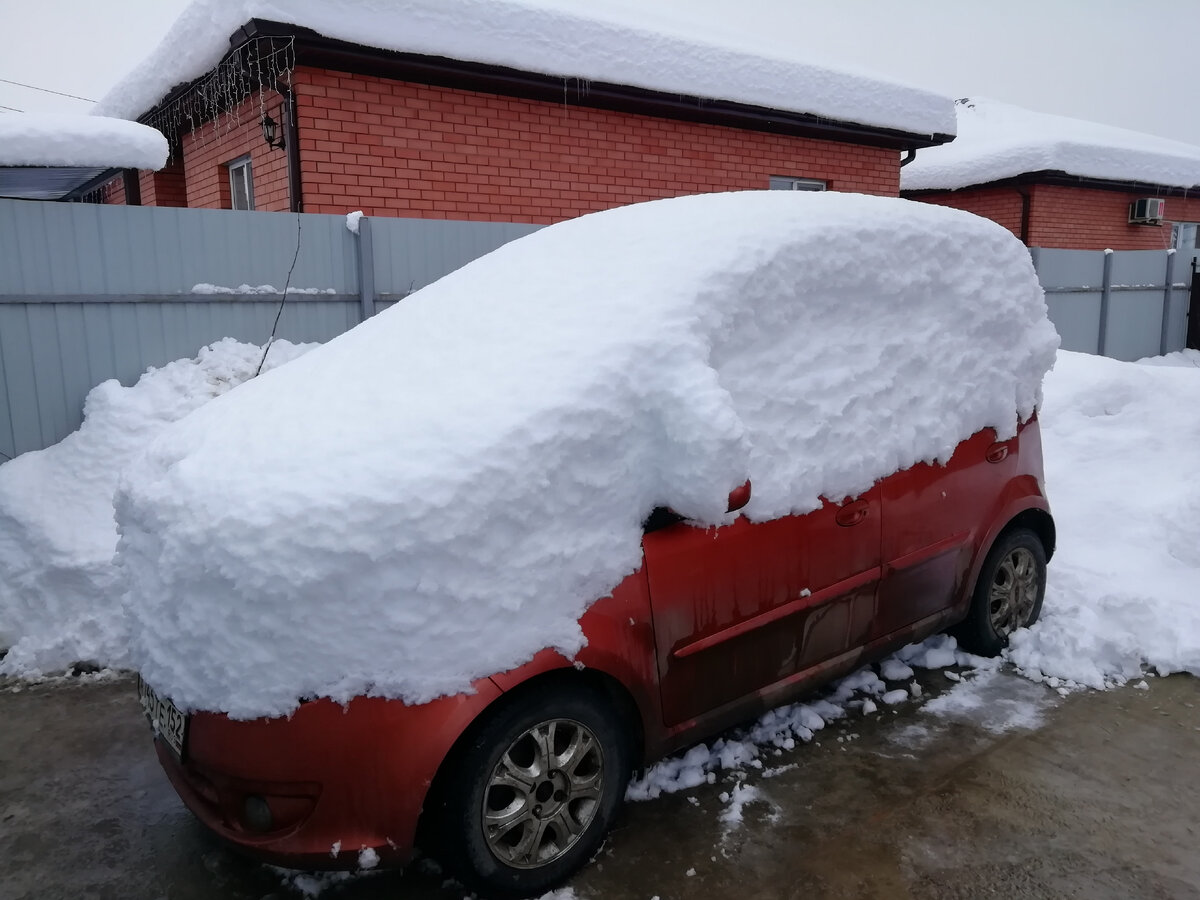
(997, 142)
(521, 36)
(45, 156)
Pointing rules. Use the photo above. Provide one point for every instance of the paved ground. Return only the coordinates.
(1101, 801)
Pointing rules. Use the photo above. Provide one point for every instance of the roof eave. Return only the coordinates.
(1059, 178)
(318, 51)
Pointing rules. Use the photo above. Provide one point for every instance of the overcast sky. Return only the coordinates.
(1124, 62)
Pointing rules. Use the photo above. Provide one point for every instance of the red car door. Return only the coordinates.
(932, 518)
(745, 606)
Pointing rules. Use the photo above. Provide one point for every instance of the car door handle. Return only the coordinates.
(853, 513)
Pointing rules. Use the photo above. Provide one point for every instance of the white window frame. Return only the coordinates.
(788, 183)
(240, 170)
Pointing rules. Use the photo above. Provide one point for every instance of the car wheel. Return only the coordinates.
(1008, 594)
(531, 796)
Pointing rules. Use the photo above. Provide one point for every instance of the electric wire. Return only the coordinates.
(11, 108)
(34, 87)
(282, 301)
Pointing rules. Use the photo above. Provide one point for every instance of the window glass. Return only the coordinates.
(787, 183)
(241, 185)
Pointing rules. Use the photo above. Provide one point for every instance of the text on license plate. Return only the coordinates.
(165, 718)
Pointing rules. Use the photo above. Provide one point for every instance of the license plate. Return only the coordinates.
(165, 718)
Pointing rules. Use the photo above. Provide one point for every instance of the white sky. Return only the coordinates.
(1129, 64)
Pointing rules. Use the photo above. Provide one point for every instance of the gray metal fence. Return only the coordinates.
(91, 292)
(1126, 304)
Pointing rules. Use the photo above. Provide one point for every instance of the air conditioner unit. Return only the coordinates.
(1147, 211)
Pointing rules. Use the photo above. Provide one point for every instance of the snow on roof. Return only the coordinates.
(63, 139)
(440, 493)
(996, 141)
(522, 35)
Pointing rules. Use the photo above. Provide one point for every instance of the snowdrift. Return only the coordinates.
(1120, 442)
(440, 493)
(60, 596)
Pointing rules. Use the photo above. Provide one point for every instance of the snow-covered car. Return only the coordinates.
(610, 489)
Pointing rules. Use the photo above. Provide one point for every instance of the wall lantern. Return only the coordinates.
(270, 130)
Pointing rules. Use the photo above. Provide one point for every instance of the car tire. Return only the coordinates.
(1008, 593)
(529, 797)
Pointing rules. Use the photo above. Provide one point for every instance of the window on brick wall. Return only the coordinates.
(787, 183)
(241, 183)
(1184, 236)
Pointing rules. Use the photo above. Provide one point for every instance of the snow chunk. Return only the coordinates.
(531, 37)
(891, 698)
(892, 669)
(367, 858)
(996, 140)
(61, 596)
(248, 289)
(484, 453)
(352, 220)
(63, 139)
(1122, 589)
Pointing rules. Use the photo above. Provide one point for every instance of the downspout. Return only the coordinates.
(1026, 205)
(133, 187)
(908, 157)
(291, 140)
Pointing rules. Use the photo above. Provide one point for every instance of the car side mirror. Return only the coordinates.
(739, 497)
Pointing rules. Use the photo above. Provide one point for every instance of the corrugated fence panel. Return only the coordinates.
(411, 253)
(1076, 315)
(1135, 317)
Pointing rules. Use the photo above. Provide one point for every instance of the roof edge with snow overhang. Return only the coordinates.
(999, 144)
(523, 50)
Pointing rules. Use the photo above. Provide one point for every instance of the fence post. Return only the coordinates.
(366, 269)
(1168, 294)
(1105, 294)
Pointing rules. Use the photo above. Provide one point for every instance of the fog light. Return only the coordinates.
(256, 814)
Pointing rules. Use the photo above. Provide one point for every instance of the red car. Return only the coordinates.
(514, 786)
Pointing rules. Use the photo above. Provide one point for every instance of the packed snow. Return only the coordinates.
(61, 593)
(63, 139)
(485, 453)
(532, 37)
(996, 140)
(248, 289)
(352, 220)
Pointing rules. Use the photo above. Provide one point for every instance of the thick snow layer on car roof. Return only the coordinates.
(996, 140)
(441, 492)
(526, 36)
(62, 139)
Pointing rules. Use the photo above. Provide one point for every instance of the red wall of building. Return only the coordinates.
(1072, 217)
(208, 150)
(1001, 205)
(400, 149)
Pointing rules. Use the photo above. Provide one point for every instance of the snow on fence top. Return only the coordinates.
(522, 35)
(63, 139)
(996, 140)
(439, 493)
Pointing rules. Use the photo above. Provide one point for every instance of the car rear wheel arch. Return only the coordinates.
(1039, 522)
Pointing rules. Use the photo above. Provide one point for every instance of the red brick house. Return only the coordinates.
(506, 122)
(1057, 182)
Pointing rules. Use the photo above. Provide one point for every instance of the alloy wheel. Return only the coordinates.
(1013, 592)
(543, 793)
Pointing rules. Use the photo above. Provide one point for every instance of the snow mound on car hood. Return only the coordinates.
(442, 491)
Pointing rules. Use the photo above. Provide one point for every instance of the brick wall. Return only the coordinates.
(1001, 205)
(166, 187)
(1072, 217)
(114, 191)
(1094, 220)
(207, 151)
(401, 149)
